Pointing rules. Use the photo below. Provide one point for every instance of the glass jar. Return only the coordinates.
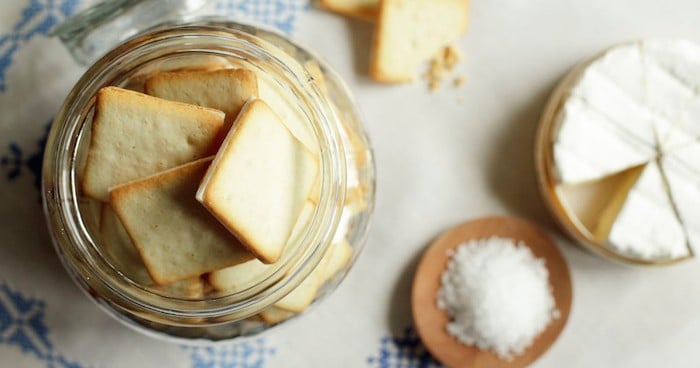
(342, 212)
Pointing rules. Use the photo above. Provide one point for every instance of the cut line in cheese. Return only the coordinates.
(642, 220)
(618, 197)
(590, 146)
(621, 136)
(633, 93)
(682, 170)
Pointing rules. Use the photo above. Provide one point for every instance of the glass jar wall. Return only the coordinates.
(324, 118)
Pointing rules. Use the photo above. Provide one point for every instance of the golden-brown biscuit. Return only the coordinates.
(259, 181)
(176, 237)
(135, 135)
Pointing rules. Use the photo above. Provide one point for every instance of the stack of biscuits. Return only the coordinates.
(203, 186)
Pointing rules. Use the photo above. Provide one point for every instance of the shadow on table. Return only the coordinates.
(361, 34)
(400, 311)
(513, 177)
(404, 342)
(512, 173)
(26, 243)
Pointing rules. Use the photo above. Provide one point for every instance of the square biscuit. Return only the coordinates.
(410, 32)
(190, 288)
(117, 245)
(223, 89)
(176, 237)
(135, 135)
(180, 64)
(259, 181)
(304, 294)
(360, 9)
(279, 98)
(240, 277)
(273, 315)
(339, 258)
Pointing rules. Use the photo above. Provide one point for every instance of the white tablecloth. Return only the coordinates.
(442, 158)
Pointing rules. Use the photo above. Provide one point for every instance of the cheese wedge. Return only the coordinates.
(600, 131)
(589, 199)
(682, 169)
(259, 181)
(136, 135)
(175, 236)
(676, 66)
(411, 32)
(223, 89)
(641, 221)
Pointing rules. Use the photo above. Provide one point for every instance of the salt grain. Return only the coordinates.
(497, 295)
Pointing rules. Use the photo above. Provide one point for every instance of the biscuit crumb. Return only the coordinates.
(441, 65)
(451, 57)
(458, 81)
(409, 33)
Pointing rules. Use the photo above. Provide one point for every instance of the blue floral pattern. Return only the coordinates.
(251, 354)
(404, 351)
(281, 14)
(37, 19)
(22, 325)
(15, 163)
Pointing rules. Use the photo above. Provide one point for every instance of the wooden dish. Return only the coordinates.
(564, 206)
(431, 321)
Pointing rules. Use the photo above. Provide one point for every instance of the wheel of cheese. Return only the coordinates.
(619, 152)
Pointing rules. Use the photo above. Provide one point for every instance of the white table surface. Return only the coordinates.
(442, 158)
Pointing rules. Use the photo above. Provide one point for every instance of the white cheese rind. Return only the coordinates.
(682, 169)
(647, 226)
(640, 90)
(681, 58)
(601, 127)
(680, 61)
(591, 146)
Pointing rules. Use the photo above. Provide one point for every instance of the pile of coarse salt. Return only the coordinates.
(497, 294)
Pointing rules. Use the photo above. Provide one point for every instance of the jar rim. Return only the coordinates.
(73, 241)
